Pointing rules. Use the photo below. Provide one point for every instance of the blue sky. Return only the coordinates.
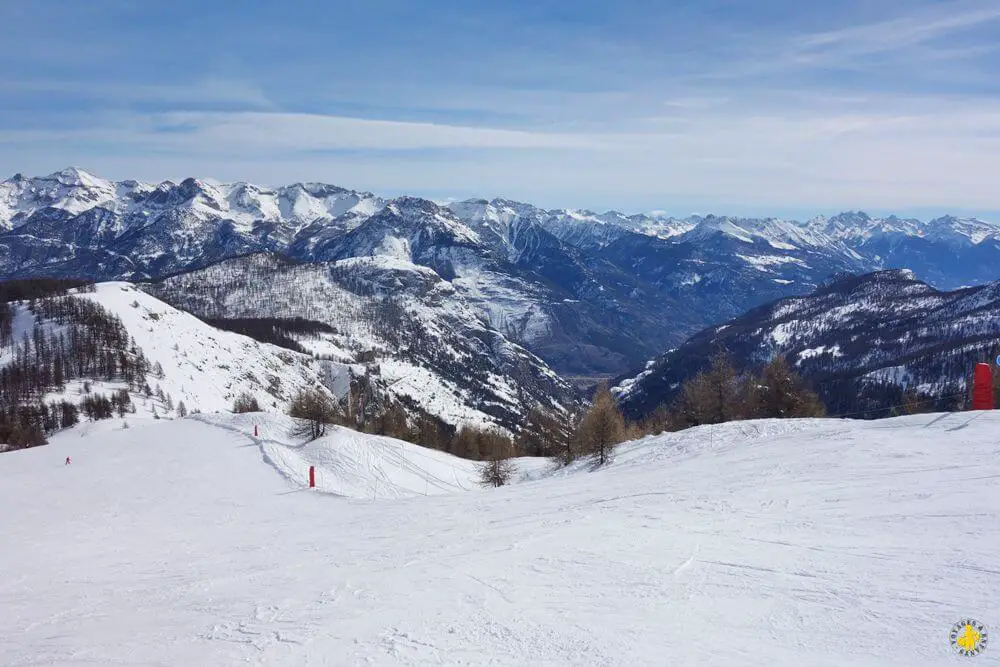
(767, 107)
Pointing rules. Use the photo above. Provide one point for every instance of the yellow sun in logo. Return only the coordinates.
(968, 637)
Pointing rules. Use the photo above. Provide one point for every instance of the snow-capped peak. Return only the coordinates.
(962, 230)
(712, 225)
(859, 226)
(424, 213)
(77, 177)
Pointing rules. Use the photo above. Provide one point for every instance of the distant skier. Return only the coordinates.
(68, 461)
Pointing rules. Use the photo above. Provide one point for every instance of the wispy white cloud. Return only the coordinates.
(895, 33)
(321, 132)
(257, 133)
(897, 155)
(921, 35)
(200, 91)
(315, 132)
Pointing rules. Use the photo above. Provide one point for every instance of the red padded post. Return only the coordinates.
(982, 388)
(312, 477)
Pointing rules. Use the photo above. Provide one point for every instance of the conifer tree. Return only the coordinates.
(783, 394)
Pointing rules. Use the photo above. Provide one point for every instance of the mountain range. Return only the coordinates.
(590, 294)
(860, 341)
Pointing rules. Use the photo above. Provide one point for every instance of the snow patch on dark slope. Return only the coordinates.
(856, 334)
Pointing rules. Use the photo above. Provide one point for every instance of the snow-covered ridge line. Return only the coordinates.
(206, 367)
(76, 190)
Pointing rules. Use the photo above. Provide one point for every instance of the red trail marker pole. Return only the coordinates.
(982, 388)
(312, 477)
(255, 430)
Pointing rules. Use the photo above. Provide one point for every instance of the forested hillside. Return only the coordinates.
(47, 341)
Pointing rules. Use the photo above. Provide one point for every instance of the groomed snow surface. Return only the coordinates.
(772, 543)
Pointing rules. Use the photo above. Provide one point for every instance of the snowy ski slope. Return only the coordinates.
(773, 543)
(353, 464)
(205, 367)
